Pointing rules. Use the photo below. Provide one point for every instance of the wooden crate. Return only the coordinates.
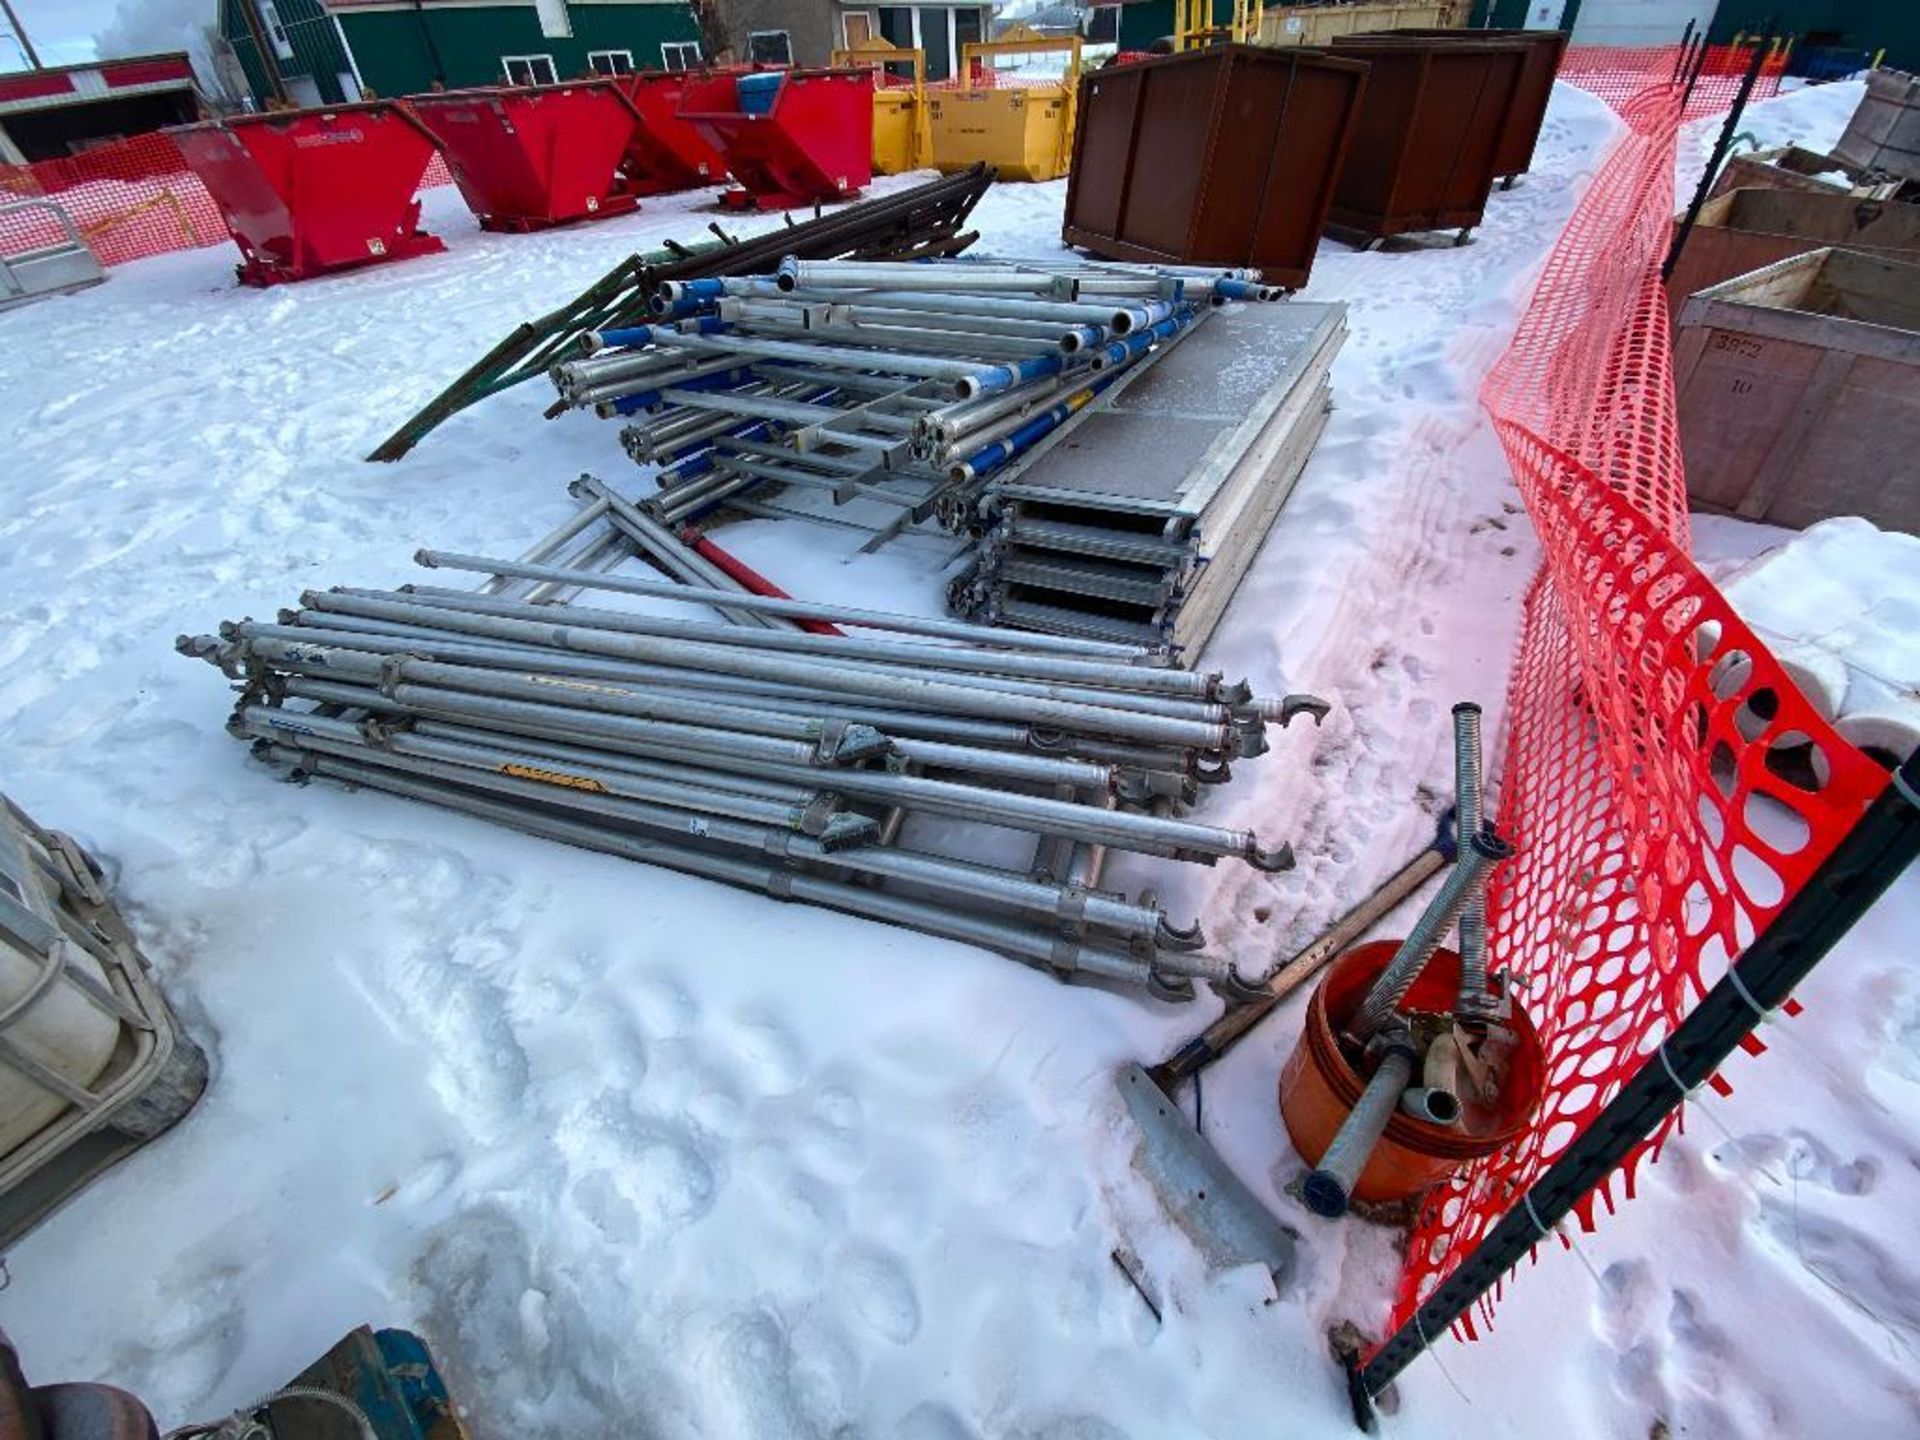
(1799, 391)
(1884, 133)
(1792, 168)
(1746, 229)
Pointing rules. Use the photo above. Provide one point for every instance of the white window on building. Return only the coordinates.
(276, 32)
(770, 47)
(680, 54)
(529, 69)
(610, 62)
(555, 22)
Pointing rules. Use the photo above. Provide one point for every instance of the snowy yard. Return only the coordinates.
(645, 1156)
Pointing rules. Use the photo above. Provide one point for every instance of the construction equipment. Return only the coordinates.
(1198, 23)
(1141, 528)
(901, 141)
(528, 157)
(309, 192)
(58, 264)
(912, 386)
(1024, 129)
(790, 137)
(372, 1385)
(1227, 1223)
(926, 220)
(666, 152)
(805, 765)
(93, 1063)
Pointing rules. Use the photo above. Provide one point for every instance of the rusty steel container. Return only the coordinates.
(1226, 155)
(1747, 229)
(1426, 144)
(1514, 156)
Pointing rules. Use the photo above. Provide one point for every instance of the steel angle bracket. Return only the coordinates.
(1225, 1221)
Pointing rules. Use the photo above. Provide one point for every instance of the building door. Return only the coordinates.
(1634, 22)
(555, 22)
(856, 28)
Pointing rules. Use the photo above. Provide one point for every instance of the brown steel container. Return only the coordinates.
(1544, 48)
(1426, 142)
(1224, 156)
(1746, 229)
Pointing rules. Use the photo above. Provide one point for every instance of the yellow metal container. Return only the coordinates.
(900, 139)
(1023, 130)
(1317, 24)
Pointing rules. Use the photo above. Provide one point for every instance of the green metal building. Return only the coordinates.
(328, 51)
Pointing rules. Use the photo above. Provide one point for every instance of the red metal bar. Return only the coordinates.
(738, 569)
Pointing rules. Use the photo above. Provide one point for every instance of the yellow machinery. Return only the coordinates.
(900, 137)
(1318, 24)
(1025, 131)
(1195, 27)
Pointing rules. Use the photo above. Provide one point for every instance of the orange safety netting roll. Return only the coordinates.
(1666, 786)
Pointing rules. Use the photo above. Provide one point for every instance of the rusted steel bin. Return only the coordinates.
(1225, 156)
(1427, 141)
(529, 157)
(1747, 229)
(1319, 1086)
(308, 191)
(1514, 156)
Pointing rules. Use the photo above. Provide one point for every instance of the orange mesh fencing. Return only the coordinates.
(1617, 74)
(130, 199)
(1666, 786)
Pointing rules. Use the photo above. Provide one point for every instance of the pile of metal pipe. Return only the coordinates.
(904, 383)
(827, 764)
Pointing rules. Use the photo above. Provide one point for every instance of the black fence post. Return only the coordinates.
(1866, 861)
(1762, 48)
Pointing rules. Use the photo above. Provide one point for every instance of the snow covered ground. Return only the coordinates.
(647, 1157)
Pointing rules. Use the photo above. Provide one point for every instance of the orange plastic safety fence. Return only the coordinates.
(1665, 784)
(1617, 73)
(130, 199)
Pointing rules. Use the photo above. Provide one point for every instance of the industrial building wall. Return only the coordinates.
(1638, 22)
(401, 51)
(812, 26)
(1869, 25)
(63, 130)
(316, 65)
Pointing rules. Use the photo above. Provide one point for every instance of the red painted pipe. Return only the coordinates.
(738, 569)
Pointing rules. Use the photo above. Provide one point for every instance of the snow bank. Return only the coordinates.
(646, 1156)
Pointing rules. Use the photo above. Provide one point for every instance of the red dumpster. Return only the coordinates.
(527, 157)
(666, 153)
(791, 137)
(308, 191)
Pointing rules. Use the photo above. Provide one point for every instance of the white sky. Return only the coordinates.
(69, 31)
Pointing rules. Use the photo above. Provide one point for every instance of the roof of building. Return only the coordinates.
(94, 80)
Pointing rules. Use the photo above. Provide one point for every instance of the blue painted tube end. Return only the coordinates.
(623, 338)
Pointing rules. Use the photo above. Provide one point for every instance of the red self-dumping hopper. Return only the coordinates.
(305, 192)
(791, 137)
(527, 157)
(667, 153)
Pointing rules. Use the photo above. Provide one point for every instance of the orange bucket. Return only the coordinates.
(1318, 1088)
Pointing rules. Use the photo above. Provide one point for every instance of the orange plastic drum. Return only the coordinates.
(1318, 1087)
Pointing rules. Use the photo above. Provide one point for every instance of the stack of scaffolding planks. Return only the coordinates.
(1137, 524)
